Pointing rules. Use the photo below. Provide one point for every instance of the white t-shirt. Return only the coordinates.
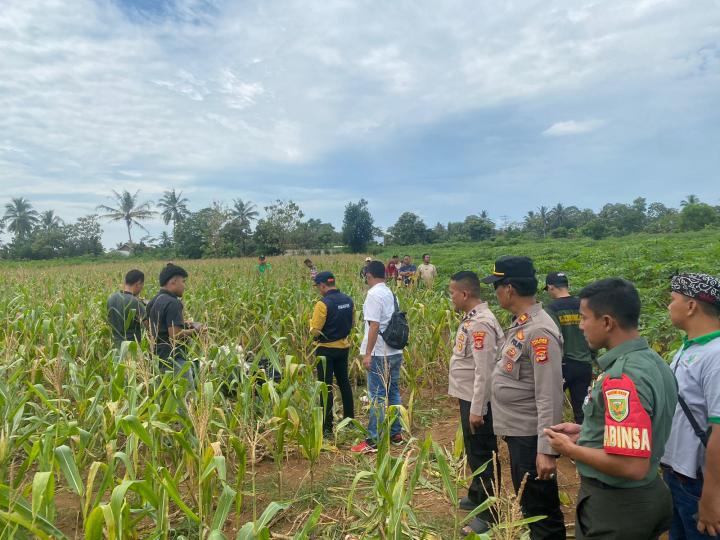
(697, 369)
(378, 307)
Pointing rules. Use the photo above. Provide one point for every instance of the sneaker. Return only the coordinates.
(397, 439)
(363, 448)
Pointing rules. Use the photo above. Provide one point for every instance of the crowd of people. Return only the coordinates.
(641, 439)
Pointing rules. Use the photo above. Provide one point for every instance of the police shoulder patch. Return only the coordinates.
(522, 319)
(478, 340)
(540, 348)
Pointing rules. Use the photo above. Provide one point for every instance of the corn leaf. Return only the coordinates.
(65, 459)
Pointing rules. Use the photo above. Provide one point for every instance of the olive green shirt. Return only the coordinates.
(566, 314)
(657, 391)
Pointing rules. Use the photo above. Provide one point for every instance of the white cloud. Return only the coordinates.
(572, 127)
(94, 98)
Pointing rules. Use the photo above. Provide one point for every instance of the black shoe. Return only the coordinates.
(476, 525)
(467, 504)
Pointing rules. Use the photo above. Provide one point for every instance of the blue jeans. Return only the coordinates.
(383, 380)
(685, 496)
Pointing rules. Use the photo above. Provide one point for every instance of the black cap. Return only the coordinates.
(558, 279)
(325, 277)
(511, 267)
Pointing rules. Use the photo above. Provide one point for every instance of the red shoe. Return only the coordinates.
(363, 448)
(397, 439)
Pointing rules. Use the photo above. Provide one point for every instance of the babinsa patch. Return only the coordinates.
(628, 428)
(618, 404)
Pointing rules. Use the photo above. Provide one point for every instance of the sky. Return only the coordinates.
(442, 108)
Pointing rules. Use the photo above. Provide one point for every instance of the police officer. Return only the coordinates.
(477, 341)
(331, 324)
(691, 464)
(527, 393)
(628, 413)
(577, 357)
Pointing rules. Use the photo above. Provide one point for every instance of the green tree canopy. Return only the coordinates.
(357, 231)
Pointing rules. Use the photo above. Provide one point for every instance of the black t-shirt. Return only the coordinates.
(164, 311)
(125, 313)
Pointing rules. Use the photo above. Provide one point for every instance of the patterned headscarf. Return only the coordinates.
(702, 287)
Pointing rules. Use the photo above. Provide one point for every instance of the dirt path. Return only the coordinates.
(333, 477)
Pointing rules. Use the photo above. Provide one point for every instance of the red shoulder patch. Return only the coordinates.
(479, 340)
(522, 319)
(628, 428)
(540, 348)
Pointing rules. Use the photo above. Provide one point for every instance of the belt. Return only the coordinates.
(594, 482)
(681, 477)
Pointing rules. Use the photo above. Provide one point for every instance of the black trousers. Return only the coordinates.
(336, 363)
(480, 444)
(577, 377)
(540, 497)
(607, 513)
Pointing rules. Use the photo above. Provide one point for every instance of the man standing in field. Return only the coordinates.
(628, 413)
(311, 267)
(427, 272)
(331, 324)
(166, 324)
(391, 271)
(125, 310)
(363, 270)
(527, 393)
(263, 266)
(577, 357)
(406, 272)
(477, 341)
(382, 361)
(691, 464)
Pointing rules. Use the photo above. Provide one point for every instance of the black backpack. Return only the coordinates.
(397, 333)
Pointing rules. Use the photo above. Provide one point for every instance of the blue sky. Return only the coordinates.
(441, 108)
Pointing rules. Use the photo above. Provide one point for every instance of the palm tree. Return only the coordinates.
(174, 207)
(690, 199)
(243, 211)
(49, 220)
(20, 216)
(128, 210)
(543, 216)
(558, 215)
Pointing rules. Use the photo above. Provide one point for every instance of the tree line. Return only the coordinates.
(235, 230)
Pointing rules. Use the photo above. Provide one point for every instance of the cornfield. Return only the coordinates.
(95, 443)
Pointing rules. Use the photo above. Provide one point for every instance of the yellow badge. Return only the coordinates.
(460, 342)
(520, 335)
(522, 319)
